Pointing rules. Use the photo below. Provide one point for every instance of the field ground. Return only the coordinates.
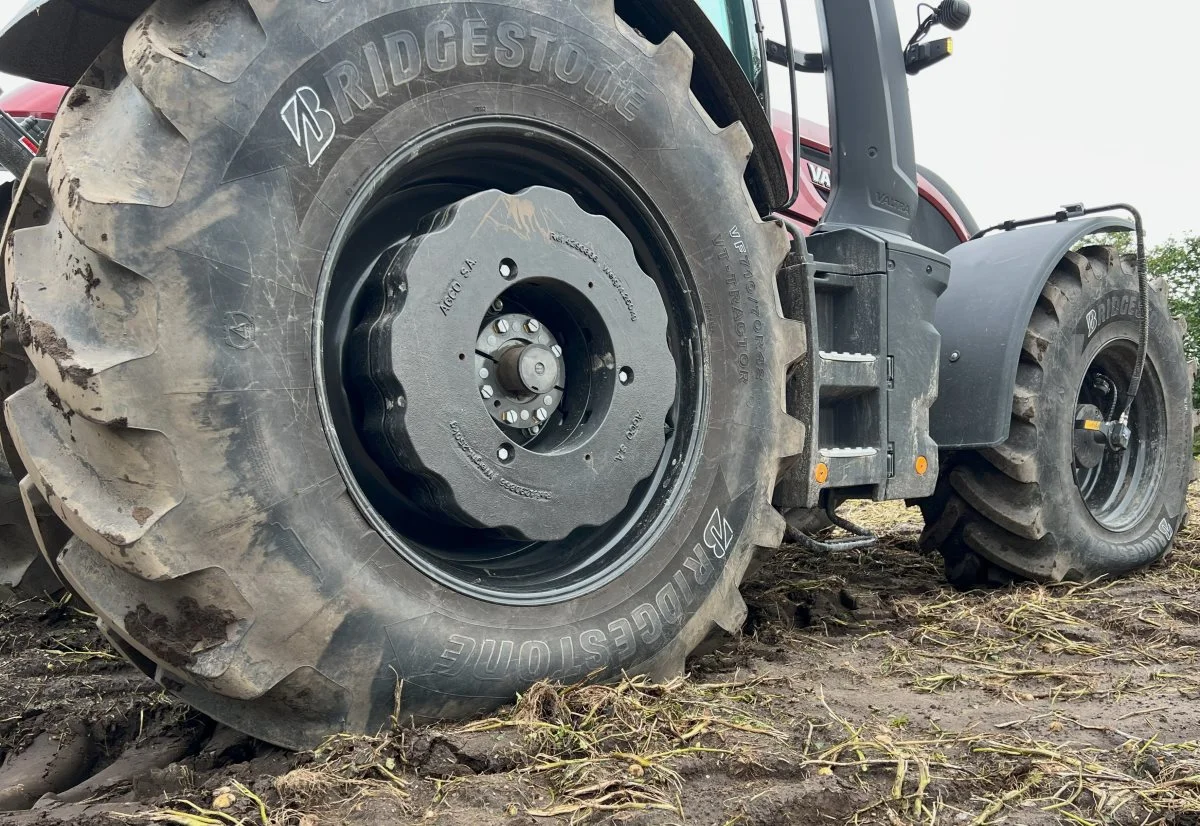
(864, 691)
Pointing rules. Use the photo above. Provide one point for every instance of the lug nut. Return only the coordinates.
(535, 430)
(484, 372)
(549, 401)
(532, 326)
(524, 415)
(497, 305)
(542, 415)
(503, 454)
(486, 391)
(511, 417)
(557, 351)
(502, 326)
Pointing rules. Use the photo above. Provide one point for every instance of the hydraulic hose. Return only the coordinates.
(1078, 211)
(1135, 381)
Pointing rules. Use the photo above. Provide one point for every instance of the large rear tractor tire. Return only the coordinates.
(1051, 503)
(392, 357)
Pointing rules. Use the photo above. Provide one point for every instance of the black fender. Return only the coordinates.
(54, 41)
(995, 282)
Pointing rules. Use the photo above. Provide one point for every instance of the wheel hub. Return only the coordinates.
(520, 365)
(1118, 464)
(517, 366)
(1089, 450)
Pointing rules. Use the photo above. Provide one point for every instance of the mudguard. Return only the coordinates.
(54, 41)
(995, 282)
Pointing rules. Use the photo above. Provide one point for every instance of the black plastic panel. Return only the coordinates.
(866, 388)
(994, 285)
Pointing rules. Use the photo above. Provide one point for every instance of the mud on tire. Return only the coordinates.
(24, 569)
(202, 174)
(1019, 509)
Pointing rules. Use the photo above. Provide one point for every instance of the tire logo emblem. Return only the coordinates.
(1165, 530)
(239, 331)
(311, 125)
(718, 534)
(1093, 321)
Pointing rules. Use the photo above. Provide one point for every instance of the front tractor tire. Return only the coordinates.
(393, 357)
(1051, 503)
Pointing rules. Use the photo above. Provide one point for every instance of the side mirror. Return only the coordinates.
(953, 14)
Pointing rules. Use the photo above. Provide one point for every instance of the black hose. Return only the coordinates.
(1110, 390)
(846, 524)
(1078, 211)
(793, 86)
(1135, 381)
(860, 537)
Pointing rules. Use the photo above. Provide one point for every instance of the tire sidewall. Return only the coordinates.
(1106, 312)
(456, 654)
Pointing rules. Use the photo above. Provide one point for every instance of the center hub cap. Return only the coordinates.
(528, 370)
(521, 366)
(517, 366)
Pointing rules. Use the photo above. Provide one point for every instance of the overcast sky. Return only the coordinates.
(1045, 102)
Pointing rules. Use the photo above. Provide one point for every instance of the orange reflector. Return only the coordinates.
(922, 465)
(1090, 425)
(821, 474)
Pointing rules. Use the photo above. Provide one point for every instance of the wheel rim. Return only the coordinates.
(1119, 488)
(433, 174)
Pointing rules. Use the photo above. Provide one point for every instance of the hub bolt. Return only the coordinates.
(557, 351)
(511, 417)
(502, 326)
(533, 326)
(535, 430)
(548, 401)
(524, 415)
(487, 392)
(542, 415)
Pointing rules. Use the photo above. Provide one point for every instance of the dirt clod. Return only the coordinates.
(178, 639)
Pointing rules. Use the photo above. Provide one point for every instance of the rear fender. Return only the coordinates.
(995, 282)
(54, 41)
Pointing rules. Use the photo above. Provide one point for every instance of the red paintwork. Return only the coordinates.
(811, 204)
(33, 100)
(41, 100)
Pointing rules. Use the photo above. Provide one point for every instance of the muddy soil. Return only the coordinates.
(862, 691)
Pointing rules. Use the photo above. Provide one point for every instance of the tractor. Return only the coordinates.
(368, 362)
